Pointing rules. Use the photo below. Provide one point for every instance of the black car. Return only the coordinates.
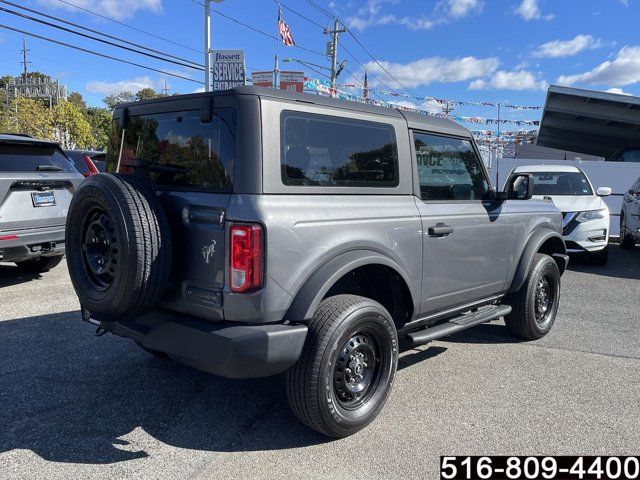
(87, 162)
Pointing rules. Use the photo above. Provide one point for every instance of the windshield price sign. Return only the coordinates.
(228, 69)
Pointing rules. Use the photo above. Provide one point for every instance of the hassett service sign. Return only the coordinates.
(228, 69)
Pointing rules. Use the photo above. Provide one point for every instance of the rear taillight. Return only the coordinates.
(246, 258)
(8, 237)
(90, 165)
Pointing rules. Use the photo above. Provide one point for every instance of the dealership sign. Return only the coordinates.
(262, 79)
(292, 81)
(228, 69)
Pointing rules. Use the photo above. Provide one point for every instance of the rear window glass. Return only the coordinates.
(322, 150)
(178, 150)
(17, 157)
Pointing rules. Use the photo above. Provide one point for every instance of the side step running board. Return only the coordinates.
(458, 324)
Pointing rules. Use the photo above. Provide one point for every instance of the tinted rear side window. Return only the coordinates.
(19, 157)
(178, 150)
(322, 150)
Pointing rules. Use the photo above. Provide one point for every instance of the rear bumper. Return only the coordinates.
(222, 348)
(31, 244)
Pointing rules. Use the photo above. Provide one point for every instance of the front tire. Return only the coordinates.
(535, 305)
(40, 265)
(626, 240)
(346, 370)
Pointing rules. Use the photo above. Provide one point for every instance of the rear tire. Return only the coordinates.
(40, 265)
(346, 370)
(535, 305)
(626, 240)
(600, 258)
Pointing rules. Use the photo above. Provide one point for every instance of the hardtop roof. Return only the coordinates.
(415, 120)
(9, 138)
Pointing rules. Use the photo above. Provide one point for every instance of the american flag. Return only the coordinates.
(366, 86)
(285, 31)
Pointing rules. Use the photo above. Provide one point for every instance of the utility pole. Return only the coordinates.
(447, 109)
(165, 90)
(332, 50)
(24, 62)
(207, 45)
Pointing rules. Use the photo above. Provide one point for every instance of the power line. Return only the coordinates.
(103, 55)
(298, 14)
(320, 9)
(380, 65)
(262, 32)
(85, 28)
(129, 26)
(107, 42)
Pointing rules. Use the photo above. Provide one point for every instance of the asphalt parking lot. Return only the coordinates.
(73, 405)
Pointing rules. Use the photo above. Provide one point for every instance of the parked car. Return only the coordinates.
(630, 218)
(585, 224)
(37, 181)
(257, 231)
(87, 162)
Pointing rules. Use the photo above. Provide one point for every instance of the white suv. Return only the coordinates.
(630, 218)
(585, 215)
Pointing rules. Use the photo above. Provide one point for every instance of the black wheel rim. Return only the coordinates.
(357, 371)
(623, 232)
(544, 301)
(99, 248)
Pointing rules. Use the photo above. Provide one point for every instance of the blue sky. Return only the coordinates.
(477, 50)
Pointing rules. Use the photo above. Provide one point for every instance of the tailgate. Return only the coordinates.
(198, 235)
(35, 200)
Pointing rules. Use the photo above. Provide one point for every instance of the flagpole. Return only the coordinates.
(275, 68)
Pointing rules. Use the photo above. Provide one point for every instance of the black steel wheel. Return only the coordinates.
(346, 370)
(100, 249)
(535, 305)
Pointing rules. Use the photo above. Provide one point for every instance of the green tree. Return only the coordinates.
(77, 101)
(123, 97)
(70, 127)
(31, 117)
(147, 94)
(100, 121)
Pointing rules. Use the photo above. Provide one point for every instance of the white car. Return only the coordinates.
(585, 215)
(630, 218)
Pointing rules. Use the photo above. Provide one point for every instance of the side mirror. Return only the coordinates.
(519, 187)
(603, 191)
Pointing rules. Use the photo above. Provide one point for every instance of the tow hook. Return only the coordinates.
(100, 332)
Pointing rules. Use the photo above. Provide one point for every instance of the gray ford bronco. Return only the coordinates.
(253, 231)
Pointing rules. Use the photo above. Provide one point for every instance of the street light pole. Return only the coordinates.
(207, 45)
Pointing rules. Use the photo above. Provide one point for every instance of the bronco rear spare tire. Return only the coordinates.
(118, 246)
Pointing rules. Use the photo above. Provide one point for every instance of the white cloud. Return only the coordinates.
(111, 8)
(516, 80)
(619, 91)
(371, 14)
(530, 10)
(624, 69)
(436, 69)
(462, 8)
(132, 85)
(567, 48)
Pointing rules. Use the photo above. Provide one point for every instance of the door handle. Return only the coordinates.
(440, 230)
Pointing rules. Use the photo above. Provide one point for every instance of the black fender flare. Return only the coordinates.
(535, 242)
(316, 286)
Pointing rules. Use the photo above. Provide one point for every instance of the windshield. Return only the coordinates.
(561, 183)
(21, 157)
